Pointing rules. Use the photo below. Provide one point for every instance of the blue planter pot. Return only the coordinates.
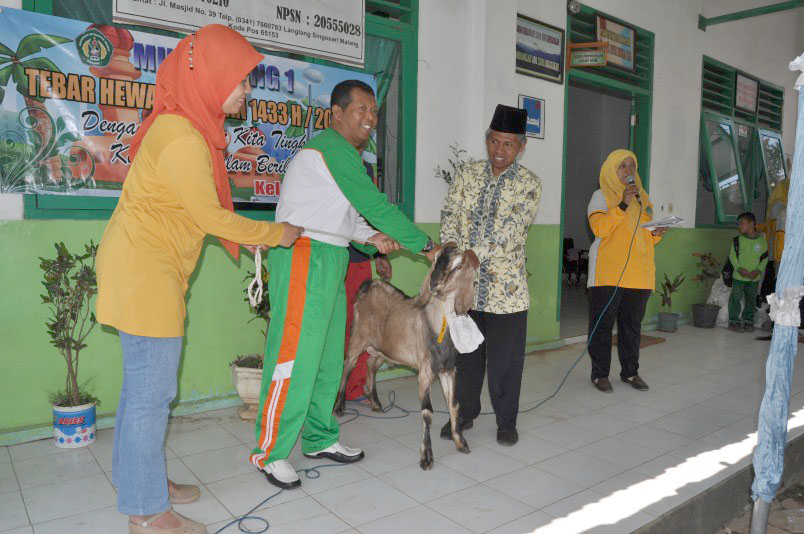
(74, 426)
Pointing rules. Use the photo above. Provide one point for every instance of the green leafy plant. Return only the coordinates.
(668, 288)
(449, 175)
(250, 361)
(70, 283)
(708, 268)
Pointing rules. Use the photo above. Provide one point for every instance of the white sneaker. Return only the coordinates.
(281, 474)
(338, 453)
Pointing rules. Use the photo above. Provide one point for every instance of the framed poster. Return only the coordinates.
(539, 49)
(535, 109)
(746, 93)
(621, 40)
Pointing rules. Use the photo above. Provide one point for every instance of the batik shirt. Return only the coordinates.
(491, 215)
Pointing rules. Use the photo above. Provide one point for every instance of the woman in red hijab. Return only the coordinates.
(175, 194)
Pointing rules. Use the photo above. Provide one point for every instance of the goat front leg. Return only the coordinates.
(425, 378)
(448, 385)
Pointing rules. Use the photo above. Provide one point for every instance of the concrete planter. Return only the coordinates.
(246, 382)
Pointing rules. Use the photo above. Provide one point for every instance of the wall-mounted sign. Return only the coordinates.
(746, 94)
(535, 109)
(329, 29)
(621, 40)
(539, 49)
(587, 54)
(587, 58)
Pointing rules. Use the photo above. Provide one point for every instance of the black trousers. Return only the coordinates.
(503, 352)
(627, 308)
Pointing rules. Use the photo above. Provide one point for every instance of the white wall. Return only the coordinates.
(10, 205)
(467, 48)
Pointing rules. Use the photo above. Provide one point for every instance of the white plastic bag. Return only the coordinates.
(719, 296)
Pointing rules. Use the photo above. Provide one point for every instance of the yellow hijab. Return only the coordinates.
(613, 189)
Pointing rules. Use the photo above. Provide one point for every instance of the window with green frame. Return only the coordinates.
(740, 159)
(391, 56)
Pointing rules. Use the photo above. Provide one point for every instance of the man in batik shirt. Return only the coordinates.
(489, 208)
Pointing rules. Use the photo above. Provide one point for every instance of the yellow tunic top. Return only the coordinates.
(153, 240)
(614, 234)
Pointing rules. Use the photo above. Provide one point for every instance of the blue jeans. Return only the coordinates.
(150, 366)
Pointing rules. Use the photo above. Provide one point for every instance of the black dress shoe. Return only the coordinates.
(446, 430)
(507, 438)
(636, 383)
(603, 384)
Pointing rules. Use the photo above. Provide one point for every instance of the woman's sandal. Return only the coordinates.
(187, 526)
(184, 493)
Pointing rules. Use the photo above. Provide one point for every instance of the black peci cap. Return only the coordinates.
(509, 120)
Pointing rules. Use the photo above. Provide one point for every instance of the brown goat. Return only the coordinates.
(413, 332)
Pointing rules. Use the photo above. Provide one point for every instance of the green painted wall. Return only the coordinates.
(217, 328)
(674, 255)
(30, 366)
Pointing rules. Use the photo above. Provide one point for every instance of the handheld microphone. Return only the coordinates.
(632, 181)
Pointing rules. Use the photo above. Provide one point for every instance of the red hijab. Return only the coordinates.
(220, 59)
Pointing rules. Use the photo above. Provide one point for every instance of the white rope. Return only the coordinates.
(254, 290)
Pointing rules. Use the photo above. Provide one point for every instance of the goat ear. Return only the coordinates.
(470, 256)
(465, 295)
(424, 292)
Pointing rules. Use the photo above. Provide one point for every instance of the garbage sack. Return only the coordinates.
(719, 296)
(762, 318)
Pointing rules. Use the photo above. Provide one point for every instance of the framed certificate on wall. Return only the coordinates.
(539, 49)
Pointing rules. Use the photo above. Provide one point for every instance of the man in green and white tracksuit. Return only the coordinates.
(325, 188)
(748, 261)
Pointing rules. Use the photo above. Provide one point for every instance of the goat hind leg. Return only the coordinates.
(374, 363)
(348, 367)
(448, 385)
(426, 461)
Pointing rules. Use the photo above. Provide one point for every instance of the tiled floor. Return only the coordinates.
(586, 461)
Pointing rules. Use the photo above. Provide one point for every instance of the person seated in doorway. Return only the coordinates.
(489, 208)
(622, 273)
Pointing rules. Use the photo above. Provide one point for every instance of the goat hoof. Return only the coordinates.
(376, 407)
(464, 449)
(426, 465)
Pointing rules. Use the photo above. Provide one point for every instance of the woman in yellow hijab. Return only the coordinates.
(777, 217)
(620, 264)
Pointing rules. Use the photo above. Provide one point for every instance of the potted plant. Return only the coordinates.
(70, 284)
(668, 321)
(705, 315)
(247, 369)
(449, 175)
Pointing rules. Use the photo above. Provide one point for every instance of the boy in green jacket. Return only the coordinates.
(749, 262)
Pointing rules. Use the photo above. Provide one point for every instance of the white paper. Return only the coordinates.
(465, 334)
(667, 222)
